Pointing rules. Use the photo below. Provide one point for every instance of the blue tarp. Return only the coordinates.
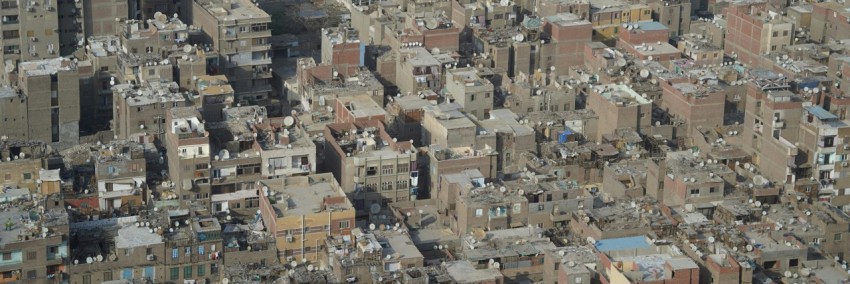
(564, 135)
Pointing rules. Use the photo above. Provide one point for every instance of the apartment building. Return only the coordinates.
(373, 168)
(418, 70)
(51, 86)
(303, 212)
(405, 115)
(239, 31)
(503, 131)
(120, 171)
(33, 256)
(753, 31)
(249, 146)
(698, 102)
(822, 141)
(30, 33)
(342, 49)
(320, 85)
(523, 260)
(620, 260)
(139, 112)
(608, 16)
(676, 15)
(618, 106)
(470, 91)
(771, 125)
(829, 20)
(214, 96)
(699, 49)
(21, 162)
(188, 158)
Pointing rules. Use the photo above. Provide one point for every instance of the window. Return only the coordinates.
(11, 34)
(712, 190)
(403, 168)
(8, 274)
(31, 255)
(175, 273)
(7, 256)
(694, 192)
(107, 276)
(201, 270)
(387, 170)
(27, 176)
(402, 184)
(517, 208)
(837, 237)
(794, 262)
(187, 272)
(371, 171)
(200, 252)
(86, 278)
(31, 274)
(775, 34)
(276, 163)
(343, 224)
(784, 33)
(479, 212)
(472, 97)
(174, 253)
(541, 207)
(487, 95)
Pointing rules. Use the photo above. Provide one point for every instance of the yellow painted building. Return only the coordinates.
(303, 211)
(607, 18)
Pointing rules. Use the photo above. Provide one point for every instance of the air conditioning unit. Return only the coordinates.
(290, 238)
(31, 9)
(846, 146)
(33, 39)
(151, 257)
(50, 8)
(845, 164)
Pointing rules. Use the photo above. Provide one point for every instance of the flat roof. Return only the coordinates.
(130, 236)
(636, 242)
(821, 113)
(362, 106)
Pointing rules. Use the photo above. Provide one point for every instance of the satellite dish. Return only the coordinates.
(310, 267)
(99, 258)
(375, 208)
(787, 273)
(293, 263)
(225, 281)
(496, 265)
(749, 247)
(711, 240)
(805, 272)
(757, 203)
(519, 37)
(432, 24)
(187, 48)
(649, 58)
(288, 121)
(644, 73)
(89, 259)
(621, 62)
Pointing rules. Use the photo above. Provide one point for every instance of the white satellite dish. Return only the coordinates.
(288, 121)
(749, 247)
(187, 48)
(225, 281)
(293, 263)
(805, 272)
(375, 208)
(787, 273)
(496, 265)
(89, 260)
(371, 227)
(310, 267)
(519, 37)
(711, 240)
(644, 73)
(649, 58)
(99, 258)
